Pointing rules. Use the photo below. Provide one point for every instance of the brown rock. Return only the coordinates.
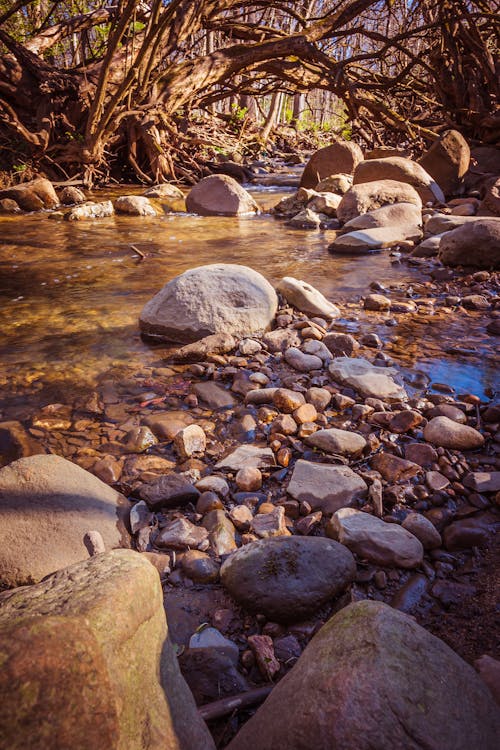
(266, 525)
(249, 479)
(394, 468)
(442, 431)
(421, 454)
(262, 648)
(287, 401)
(32, 196)
(401, 170)
(376, 302)
(371, 195)
(220, 195)
(340, 157)
(476, 243)
(447, 160)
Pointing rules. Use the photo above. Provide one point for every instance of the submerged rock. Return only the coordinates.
(372, 679)
(218, 298)
(288, 578)
(367, 379)
(48, 505)
(91, 211)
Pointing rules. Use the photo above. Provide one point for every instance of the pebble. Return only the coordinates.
(423, 529)
(302, 362)
(249, 479)
(444, 432)
(271, 524)
(337, 441)
(199, 567)
(287, 400)
(190, 440)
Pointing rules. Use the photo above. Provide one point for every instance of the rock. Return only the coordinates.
(139, 439)
(265, 659)
(181, 534)
(48, 504)
(340, 157)
(335, 183)
(281, 339)
(376, 302)
(340, 344)
(345, 442)
(400, 169)
(165, 425)
(134, 205)
(87, 663)
(213, 395)
(9, 206)
(446, 433)
(72, 196)
(32, 196)
(16, 442)
(483, 481)
(395, 214)
(221, 532)
(392, 468)
(375, 540)
(287, 578)
(489, 671)
(475, 244)
(370, 381)
(469, 532)
(266, 525)
(241, 516)
(371, 340)
(366, 241)
(140, 517)
(441, 223)
(200, 568)
(423, 529)
(220, 195)
(198, 351)
(247, 456)
(306, 298)
(211, 675)
(212, 638)
(447, 410)
(164, 190)
(428, 248)
(287, 400)
(249, 347)
(491, 200)
(447, 160)
(325, 203)
(325, 487)
(305, 219)
(249, 479)
(91, 210)
(302, 362)
(368, 196)
(189, 440)
(366, 658)
(218, 298)
(168, 491)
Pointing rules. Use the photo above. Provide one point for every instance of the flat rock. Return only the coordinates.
(218, 298)
(367, 658)
(247, 456)
(134, 205)
(86, 663)
(48, 505)
(367, 379)
(363, 241)
(166, 424)
(360, 199)
(217, 343)
(483, 481)
(181, 534)
(91, 210)
(332, 440)
(220, 195)
(440, 223)
(214, 395)
(287, 578)
(301, 361)
(168, 491)
(375, 540)
(393, 468)
(402, 170)
(446, 433)
(325, 487)
(306, 298)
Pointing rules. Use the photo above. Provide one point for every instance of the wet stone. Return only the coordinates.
(247, 456)
(190, 440)
(181, 534)
(168, 491)
(324, 486)
(200, 568)
(423, 529)
(271, 524)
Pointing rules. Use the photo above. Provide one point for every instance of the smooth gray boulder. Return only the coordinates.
(395, 214)
(372, 679)
(218, 298)
(47, 506)
(368, 196)
(134, 205)
(367, 379)
(287, 578)
(220, 195)
(403, 170)
(362, 241)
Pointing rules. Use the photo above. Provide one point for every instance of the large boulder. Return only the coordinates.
(473, 244)
(48, 506)
(490, 205)
(86, 663)
(220, 195)
(340, 157)
(368, 196)
(401, 170)
(372, 679)
(32, 196)
(287, 578)
(219, 298)
(364, 241)
(447, 160)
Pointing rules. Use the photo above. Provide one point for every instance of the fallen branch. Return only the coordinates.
(225, 706)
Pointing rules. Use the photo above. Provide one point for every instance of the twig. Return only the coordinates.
(225, 706)
(139, 252)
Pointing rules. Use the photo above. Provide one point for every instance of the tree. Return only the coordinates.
(86, 81)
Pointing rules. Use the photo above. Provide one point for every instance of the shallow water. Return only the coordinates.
(71, 293)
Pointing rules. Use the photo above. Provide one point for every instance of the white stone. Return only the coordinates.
(367, 379)
(306, 298)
